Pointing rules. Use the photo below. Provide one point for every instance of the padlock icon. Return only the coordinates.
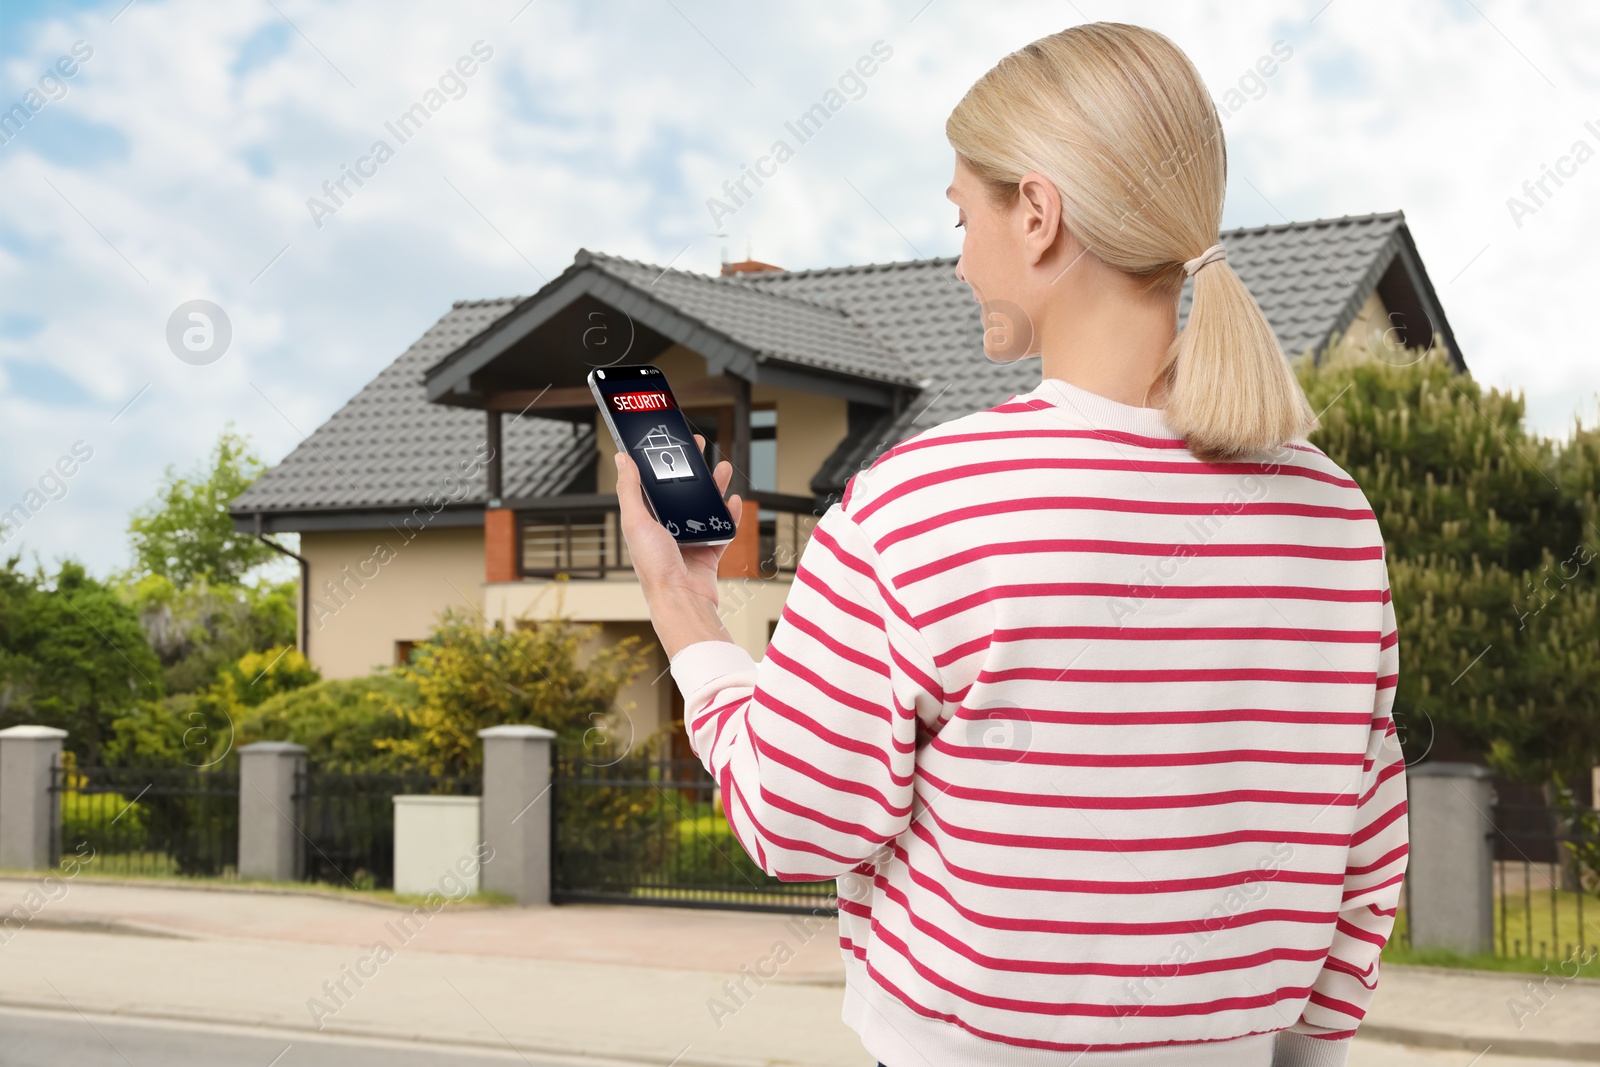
(665, 457)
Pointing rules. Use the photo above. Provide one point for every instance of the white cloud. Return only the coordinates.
(610, 125)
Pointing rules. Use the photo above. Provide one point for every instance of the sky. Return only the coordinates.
(185, 156)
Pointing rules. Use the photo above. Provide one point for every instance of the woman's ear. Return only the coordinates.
(1039, 202)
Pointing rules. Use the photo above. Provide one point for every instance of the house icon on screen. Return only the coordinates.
(665, 455)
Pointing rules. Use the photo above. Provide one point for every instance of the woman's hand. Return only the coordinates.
(679, 582)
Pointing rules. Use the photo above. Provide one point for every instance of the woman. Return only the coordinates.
(1084, 699)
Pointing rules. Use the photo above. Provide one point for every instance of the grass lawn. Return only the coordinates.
(135, 864)
(144, 873)
(1530, 925)
(1554, 944)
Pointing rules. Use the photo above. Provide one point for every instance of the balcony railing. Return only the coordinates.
(580, 536)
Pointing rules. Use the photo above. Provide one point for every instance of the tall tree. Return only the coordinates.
(200, 630)
(1491, 533)
(75, 656)
(185, 533)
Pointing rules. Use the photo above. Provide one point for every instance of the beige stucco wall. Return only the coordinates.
(371, 588)
(810, 427)
(748, 606)
(1369, 331)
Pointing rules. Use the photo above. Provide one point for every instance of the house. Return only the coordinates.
(474, 469)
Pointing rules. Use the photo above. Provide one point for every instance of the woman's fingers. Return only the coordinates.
(629, 499)
(722, 474)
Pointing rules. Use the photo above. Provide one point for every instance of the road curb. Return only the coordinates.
(1582, 1051)
(123, 927)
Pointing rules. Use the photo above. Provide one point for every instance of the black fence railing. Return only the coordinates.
(155, 821)
(347, 822)
(1546, 881)
(649, 829)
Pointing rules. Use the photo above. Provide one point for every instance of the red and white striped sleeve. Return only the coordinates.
(814, 747)
(1374, 871)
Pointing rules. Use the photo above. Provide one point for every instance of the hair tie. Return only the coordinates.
(1210, 255)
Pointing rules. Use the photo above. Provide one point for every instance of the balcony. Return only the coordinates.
(579, 536)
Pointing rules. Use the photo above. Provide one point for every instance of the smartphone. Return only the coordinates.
(646, 422)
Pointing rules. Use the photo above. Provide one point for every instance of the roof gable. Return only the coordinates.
(747, 332)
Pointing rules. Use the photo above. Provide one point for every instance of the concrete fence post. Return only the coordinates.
(516, 811)
(27, 816)
(1451, 867)
(270, 845)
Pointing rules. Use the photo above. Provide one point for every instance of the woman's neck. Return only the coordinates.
(1110, 342)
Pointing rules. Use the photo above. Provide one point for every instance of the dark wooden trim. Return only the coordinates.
(696, 392)
(740, 482)
(804, 505)
(491, 474)
(468, 513)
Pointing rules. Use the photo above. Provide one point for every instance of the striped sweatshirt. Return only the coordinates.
(1095, 736)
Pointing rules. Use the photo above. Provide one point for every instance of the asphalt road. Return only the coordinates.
(31, 1038)
(65, 1039)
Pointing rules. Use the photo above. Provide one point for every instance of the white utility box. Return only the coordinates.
(436, 844)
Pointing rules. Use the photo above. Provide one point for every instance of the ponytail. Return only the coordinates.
(1119, 119)
(1228, 388)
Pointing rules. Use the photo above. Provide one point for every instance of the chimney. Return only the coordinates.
(747, 266)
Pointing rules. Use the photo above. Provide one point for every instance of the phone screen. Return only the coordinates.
(648, 424)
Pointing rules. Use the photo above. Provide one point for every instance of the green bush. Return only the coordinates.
(105, 821)
(340, 721)
(470, 676)
(202, 729)
(709, 853)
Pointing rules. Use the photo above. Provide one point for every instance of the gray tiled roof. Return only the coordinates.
(388, 447)
(777, 324)
(1309, 278)
(912, 322)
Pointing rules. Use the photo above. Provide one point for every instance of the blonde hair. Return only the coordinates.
(1118, 118)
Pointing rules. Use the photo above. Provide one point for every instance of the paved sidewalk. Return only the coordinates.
(626, 983)
(688, 938)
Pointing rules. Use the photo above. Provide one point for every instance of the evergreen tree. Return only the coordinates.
(1491, 536)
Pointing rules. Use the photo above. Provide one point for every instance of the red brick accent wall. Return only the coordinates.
(741, 558)
(500, 545)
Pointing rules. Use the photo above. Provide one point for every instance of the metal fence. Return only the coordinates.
(347, 822)
(649, 829)
(157, 821)
(1546, 881)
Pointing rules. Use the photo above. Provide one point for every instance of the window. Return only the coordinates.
(764, 449)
